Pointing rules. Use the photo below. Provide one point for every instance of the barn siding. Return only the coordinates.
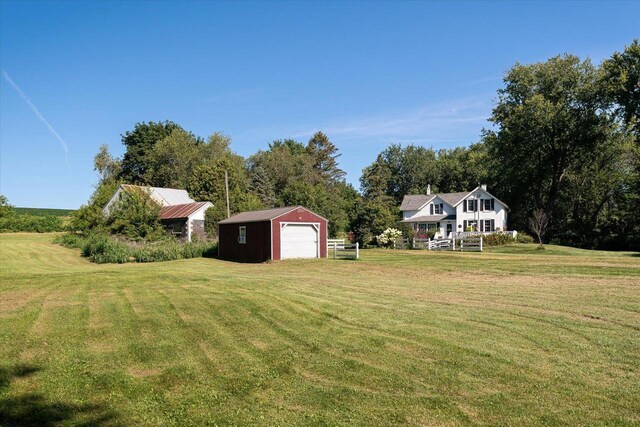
(299, 215)
(257, 248)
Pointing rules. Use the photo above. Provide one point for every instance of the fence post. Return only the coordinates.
(453, 243)
(357, 250)
(481, 238)
(429, 243)
(335, 246)
(413, 243)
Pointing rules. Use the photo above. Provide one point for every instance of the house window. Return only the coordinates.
(473, 225)
(437, 209)
(176, 228)
(242, 234)
(487, 204)
(471, 205)
(422, 228)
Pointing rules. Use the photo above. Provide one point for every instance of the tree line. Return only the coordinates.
(563, 147)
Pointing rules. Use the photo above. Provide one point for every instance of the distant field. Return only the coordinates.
(512, 336)
(44, 211)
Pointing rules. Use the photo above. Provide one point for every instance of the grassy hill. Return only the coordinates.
(512, 336)
(44, 211)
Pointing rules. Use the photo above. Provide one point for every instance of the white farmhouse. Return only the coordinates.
(179, 214)
(449, 213)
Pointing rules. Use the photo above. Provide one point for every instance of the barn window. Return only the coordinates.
(242, 234)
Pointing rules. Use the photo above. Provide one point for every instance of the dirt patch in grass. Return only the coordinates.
(143, 373)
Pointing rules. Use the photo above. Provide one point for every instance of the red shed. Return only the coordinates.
(279, 233)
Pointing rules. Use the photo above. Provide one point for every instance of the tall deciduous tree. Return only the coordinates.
(106, 165)
(172, 160)
(548, 117)
(139, 143)
(620, 79)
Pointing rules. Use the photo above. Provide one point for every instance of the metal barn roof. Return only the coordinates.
(181, 211)
(164, 196)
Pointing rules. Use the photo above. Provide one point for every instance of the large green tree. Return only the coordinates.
(172, 160)
(548, 119)
(620, 81)
(139, 142)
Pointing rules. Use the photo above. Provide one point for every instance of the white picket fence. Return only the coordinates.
(435, 244)
(342, 250)
(464, 244)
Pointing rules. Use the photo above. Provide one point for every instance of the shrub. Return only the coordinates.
(388, 236)
(497, 239)
(102, 248)
(136, 216)
(524, 238)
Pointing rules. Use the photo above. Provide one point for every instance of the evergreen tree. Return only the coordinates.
(324, 155)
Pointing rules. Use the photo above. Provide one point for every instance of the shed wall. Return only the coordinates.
(256, 249)
(299, 215)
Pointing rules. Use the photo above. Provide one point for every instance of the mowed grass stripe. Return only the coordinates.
(390, 339)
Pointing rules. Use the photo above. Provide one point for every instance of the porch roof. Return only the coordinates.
(430, 218)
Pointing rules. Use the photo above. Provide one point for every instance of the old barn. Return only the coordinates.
(279, 233)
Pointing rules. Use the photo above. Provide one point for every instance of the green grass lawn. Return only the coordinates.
(511, 336)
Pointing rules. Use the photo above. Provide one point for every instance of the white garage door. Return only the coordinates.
(299, 241)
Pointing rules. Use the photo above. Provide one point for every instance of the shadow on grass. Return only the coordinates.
(33, 409)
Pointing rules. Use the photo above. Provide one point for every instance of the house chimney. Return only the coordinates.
(484, 187)
(428, 189)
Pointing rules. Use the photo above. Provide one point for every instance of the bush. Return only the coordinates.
(137, 216)
(102, 248)
(388, 236)
(524, 238)
(497, 239)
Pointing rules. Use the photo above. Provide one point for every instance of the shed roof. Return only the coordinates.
(184, 210)
(261, 215)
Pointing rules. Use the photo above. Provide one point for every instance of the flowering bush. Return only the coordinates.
(388, 236)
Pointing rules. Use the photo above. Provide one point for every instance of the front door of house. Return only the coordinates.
(449, 229)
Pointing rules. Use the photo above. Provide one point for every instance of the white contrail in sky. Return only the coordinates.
(38, 114)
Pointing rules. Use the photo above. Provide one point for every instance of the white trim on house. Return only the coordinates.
(455, 213)
(479, 187)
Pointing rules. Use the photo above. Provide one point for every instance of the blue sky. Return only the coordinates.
(78, 74)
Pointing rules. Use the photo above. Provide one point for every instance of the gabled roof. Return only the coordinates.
(481, 189)
(182, 211)
(413, 202)
(452, 198)
(262, 215)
